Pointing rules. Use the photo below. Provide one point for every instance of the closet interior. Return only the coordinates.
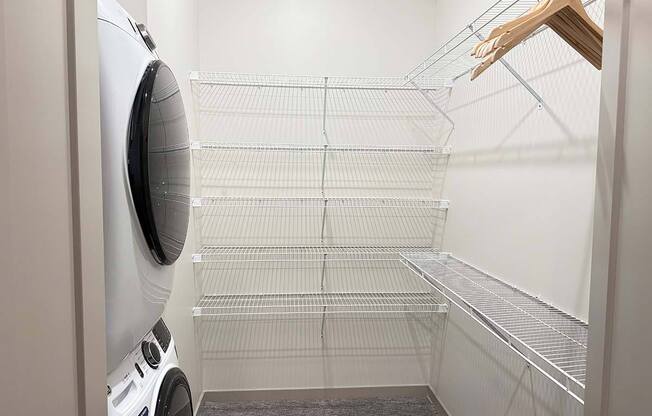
(319, 219)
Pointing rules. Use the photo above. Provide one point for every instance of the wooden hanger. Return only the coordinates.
(536, 17)
(499, 30)
(567, 18)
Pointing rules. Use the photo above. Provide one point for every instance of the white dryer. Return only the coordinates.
(149, 382)
(146, 178)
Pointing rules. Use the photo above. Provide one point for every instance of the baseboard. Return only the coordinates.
(198, 405)
(432, 396)
(419, 391)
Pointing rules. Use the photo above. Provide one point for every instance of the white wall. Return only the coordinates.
(137, 9)
(52, 296)
(476, 373)
(621, 331)
(37, 254)
(521, 180)
(319, 37)
(521, 183)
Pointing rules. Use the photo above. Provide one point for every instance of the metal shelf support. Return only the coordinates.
(432, 103)
(323, 195)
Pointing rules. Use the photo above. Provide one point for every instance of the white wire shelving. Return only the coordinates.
(551, 339)
(453, 59)
(320, 303)
(247, 270)
(307, 170)
(253, 202)
(308, 81)
(234, 254)
(277, 109)
(350, 148)
(308, 188)
(319, 221)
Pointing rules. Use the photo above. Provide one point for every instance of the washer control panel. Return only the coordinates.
(129, 386)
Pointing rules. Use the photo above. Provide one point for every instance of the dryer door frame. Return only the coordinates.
(174, 396)
(158, 163)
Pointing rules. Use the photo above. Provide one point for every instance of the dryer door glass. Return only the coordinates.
(159, 163)
(174, 395)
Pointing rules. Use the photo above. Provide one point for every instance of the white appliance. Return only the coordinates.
(146, 178)
(149, 382)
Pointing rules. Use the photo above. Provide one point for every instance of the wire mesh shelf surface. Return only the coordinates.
(352, 148)
(315, 221)
(317, 110)
(538, 330)
(308, 189)
(226, 201)
(305, 269)
(307, 170)
(308, 81)
(303, 253)
(320, 303)
(453, 59)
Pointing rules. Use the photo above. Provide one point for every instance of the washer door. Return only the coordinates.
(174, 397)
(158, 163)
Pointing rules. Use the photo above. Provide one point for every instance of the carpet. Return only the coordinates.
(349, 407)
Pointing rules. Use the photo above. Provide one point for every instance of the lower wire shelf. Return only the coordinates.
(320, 303)
(553, 340)
(248, 254)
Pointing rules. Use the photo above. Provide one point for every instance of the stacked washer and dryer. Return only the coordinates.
(146, 187)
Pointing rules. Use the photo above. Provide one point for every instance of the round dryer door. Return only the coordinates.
(174, 395)
(158, 161)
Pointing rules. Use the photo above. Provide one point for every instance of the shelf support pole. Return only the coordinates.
(514, 73)
(323, 195)
(323, 118)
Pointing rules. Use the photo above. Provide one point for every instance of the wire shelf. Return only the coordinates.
(551, 338)
(351, 148)
(317, 110)
(229, 254)
(310, 187)
(453, 59)
(320, 303)
(308, 81)
(306, 170)
(307, 269)
(228, 221)
(253, 202)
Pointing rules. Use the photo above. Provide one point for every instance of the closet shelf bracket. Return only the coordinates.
(512, 71)
(432, 103)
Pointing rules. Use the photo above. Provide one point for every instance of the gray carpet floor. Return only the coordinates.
(352, 407)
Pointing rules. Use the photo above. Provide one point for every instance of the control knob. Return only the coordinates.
(151, 354)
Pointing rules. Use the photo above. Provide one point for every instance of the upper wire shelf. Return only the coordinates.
(309, 81)
(554, 340)
(320, 303)
(249, 108)
(453, 59)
